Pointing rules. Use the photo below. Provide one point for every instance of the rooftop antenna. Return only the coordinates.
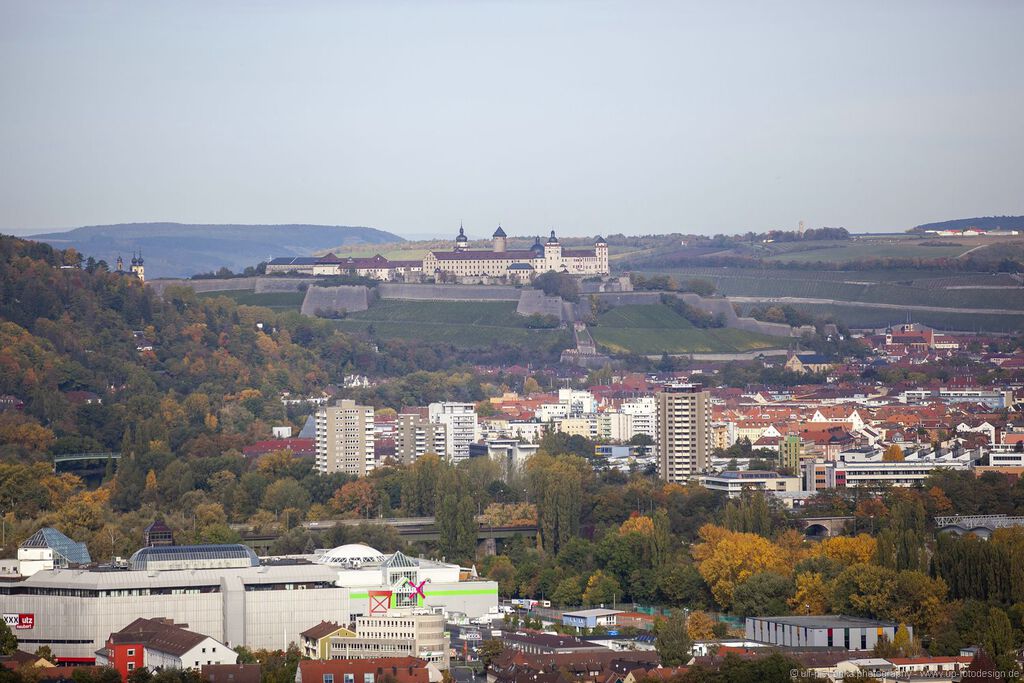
(801, 228)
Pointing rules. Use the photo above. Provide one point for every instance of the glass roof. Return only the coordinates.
(48, 537)
(196, 556)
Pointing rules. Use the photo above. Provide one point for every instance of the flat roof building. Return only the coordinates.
(259, 604)
(834, 631)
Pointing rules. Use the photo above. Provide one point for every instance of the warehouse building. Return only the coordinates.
(835, 631)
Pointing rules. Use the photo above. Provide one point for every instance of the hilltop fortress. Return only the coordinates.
(461, 262)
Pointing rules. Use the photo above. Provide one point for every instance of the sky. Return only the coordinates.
(587, 117)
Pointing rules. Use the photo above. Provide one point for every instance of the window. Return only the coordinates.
(328, 678)
(367, 678)
(131, 666)
(350, 678)
(131, 652)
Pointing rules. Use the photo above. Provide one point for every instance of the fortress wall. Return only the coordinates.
(198, 286)
(534, 302)
(281, 284)
(448, 292)
(335, 299)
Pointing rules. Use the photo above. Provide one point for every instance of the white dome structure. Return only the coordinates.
(351, 555)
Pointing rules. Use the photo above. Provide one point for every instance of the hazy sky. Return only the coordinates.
(589, 117)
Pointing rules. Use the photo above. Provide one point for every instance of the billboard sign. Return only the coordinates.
(20, 622)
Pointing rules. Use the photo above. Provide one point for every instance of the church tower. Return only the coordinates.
(138, 268)
(120, 264)
(461, 242)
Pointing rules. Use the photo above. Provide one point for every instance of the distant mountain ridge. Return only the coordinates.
(982, 223)
(184, 249)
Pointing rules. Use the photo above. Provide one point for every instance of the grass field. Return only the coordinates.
(653, 329)
(908, 287)
(857, 316)
(867, 248)
(281, 301)
(466, 324)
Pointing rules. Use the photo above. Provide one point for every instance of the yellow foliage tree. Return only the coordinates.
(699, 626)
(893, 453)
(726, 559)
(639, 524)
(812, 594)
(847, 550)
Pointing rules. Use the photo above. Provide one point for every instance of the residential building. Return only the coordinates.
(792, 451)
(461, 428)
(684, 431)
(833, 631)
(161, 644)
(377, 670)
(315, 642)
(735, 483)
(416, 435)
(395, 633)
(591, 618)
(231, 673)
(511, 454)
(345, 439)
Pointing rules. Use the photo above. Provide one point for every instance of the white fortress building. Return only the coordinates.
(517, 264)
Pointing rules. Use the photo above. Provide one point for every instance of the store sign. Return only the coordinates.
(380, 602)
(21, 622)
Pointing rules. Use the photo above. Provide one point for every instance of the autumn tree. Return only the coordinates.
(601, 589)
(727, 558)
(700, 626)
(893, 453)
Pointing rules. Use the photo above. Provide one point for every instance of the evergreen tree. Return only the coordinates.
(8, 642)
(454, 516)
(673, 643)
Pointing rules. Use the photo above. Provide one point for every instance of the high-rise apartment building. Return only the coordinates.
(459, 420)
(344, 438)
(684, 431)
(416, 435)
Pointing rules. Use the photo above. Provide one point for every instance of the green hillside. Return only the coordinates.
(655, 328)
(464, 324)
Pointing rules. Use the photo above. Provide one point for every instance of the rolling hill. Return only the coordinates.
(181, 250)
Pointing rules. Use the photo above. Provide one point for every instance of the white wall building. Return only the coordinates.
(460, 421)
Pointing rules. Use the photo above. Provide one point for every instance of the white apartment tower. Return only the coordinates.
(344, 438)
(460, 422)
(684, 431)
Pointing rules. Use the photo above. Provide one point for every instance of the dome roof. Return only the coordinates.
(537, 246)
(462, 236)
(552, 239)
(351, 554)
(599, 240)
(499, 232)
